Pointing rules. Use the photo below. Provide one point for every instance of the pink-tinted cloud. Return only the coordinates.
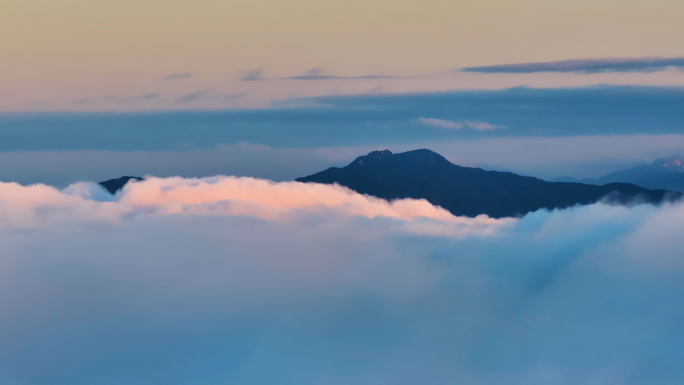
(31, 206)
(164, 282)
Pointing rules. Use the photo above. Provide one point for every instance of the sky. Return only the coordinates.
(579, 132)
(75, 55)
(87, 86)
(219, 269)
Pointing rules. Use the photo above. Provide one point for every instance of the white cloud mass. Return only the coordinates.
(240, 280)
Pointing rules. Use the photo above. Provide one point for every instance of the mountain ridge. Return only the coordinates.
(661, 174)
(468, 191)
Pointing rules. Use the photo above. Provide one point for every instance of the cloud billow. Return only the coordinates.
(648, 64)
(212, 280)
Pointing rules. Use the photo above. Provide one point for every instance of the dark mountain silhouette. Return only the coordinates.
(574, 180)
(665, 174)
(114, 185)
(470, 191)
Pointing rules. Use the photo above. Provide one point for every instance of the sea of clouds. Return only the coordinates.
(230, 280)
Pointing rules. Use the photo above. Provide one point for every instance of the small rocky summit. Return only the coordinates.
(114, 185)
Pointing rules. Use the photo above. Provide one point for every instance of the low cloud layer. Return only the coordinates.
(239, 280)
(230, 196)
(648, 64)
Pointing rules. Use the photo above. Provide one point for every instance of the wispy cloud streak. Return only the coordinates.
(648, 64)
(454, 125)
(320, 74)
(184, 75)
(253, 76)
(115, 99)
(312, 74)
(191, 97)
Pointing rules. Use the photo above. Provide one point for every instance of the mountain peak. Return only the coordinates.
(424, 174)
(384, 152)
(416, 157)
(114, 185)
(373, 157)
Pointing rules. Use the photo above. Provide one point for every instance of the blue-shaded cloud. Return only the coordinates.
(253, 76)
(132, 291)
(148, 96)
(648, 64)
(116, 99)
(312, 74)
(359, 120)
(231, 97)
(210, 95)
(191, 97)
(179, 76)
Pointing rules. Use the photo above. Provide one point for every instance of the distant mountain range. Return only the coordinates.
(471, 191)
(665, 174)
(464, 191)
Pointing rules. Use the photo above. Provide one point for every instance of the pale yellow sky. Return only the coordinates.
(108, 53)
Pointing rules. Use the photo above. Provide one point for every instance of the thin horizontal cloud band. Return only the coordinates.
(454, 125)
(313, 74)
(647, 64)
(359, 120)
